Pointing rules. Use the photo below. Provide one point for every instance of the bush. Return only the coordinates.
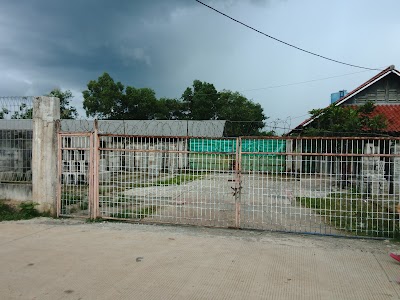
(24, 211)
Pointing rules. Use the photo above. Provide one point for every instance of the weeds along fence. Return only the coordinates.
(16, 139)
(337, 186)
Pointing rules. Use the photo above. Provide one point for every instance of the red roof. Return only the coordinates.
(392, 114)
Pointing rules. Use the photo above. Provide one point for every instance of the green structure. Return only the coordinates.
(220, 154)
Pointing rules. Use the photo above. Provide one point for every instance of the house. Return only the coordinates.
(383, 90)
(378, 163)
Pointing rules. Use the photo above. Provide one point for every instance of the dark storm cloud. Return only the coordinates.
(128, 38)
(95, 36)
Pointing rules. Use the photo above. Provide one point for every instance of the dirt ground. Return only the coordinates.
(70, 259)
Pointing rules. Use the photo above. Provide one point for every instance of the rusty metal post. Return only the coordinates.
(238, 183)
(94, 173)
(60, 167)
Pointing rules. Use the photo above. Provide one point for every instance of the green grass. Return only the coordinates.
(135, 214)
(176, 180)
(179, 179)
(368, 217)
(24, 211)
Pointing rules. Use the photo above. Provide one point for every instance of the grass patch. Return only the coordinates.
(176, 180)
(369, 217)
(135, 214)
(23, 211)
(179, 179)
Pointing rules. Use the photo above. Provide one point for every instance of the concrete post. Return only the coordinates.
(46, 110)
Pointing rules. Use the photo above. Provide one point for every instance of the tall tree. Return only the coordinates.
(201, 101)
(170, 109)
(245, 116)
(107, 99)
(104, 98)
(140, 104)
(66, 110)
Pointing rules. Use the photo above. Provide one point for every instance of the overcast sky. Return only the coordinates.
(166, 44)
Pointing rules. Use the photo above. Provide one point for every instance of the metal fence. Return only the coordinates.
(15, 139)
(338, 186)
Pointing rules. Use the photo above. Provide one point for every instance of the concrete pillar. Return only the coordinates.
(46, 110)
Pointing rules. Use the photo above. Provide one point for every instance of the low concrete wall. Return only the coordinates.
(16, 191)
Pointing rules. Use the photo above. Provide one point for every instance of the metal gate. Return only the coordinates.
(338, 186)
(76, 175)
(159, 179)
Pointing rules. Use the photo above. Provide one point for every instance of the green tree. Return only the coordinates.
(66, 110)
(201, 101)
(104, 98)
(139, 104)
(345, 121)
(107, 99)
(245, 117)
(24, 112)
(169, 109)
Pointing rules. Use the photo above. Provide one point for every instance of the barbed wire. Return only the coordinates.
(16, 107)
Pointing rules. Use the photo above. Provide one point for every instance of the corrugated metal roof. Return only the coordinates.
(21, 124)
(207, 128)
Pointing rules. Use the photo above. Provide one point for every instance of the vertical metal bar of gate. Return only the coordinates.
(91, 177)
(95, 145)
(59, 169)
(238, 183)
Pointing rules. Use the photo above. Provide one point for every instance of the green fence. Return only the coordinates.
(220, 154)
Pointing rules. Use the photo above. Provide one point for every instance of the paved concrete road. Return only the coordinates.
(68, 259)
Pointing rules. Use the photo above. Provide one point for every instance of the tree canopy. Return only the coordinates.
(66, 110)
(107, 99)
(345, 121)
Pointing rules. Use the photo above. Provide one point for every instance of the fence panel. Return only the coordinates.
(335, 186)
(75, 174)
(339, 186)
(16, 139)
(157, 179)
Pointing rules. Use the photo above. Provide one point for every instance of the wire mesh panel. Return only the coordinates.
(336, 186)
(15, 139)
(74, 175)
(342, 186)
(166, 179)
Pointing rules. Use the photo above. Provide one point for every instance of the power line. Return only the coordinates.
(285, 43)
(302, 82)
(292, 83)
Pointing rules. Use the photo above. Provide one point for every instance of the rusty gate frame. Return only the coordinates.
(237, 201)
(92, 181)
